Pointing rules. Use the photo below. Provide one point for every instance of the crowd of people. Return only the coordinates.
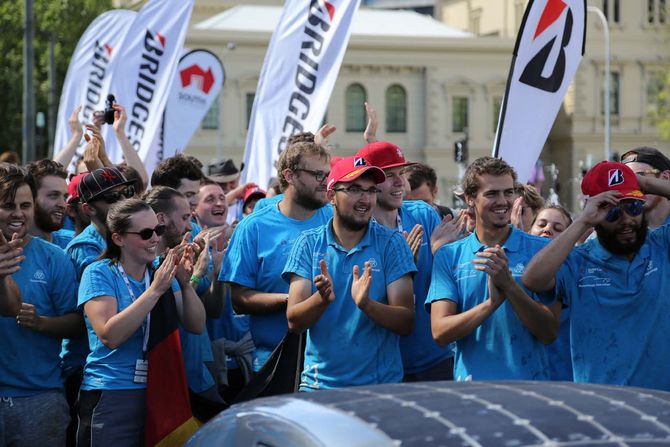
(350, 255)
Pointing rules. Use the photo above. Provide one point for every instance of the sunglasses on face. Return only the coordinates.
(115, 196)
(146, 233)
(632, 207)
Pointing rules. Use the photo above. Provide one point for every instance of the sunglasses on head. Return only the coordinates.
(115, 196)
(146, 233)
(632, 207)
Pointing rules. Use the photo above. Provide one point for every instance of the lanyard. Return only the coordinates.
(147, 321)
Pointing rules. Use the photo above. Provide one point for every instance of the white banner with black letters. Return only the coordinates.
(297, 79)
(548, 50)
(150, 55)
(88, 74)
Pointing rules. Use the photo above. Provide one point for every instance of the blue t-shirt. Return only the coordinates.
(256, 257)
(230, 326)
(419, 350)
(501, 348)
(29, 360)
(110, 369)
(195, 229)
(558, 352)
(620, 313)
(84, 249)
(345, 347)
(62, 237)
(268, 201)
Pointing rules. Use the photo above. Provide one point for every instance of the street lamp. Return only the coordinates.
(606, 30)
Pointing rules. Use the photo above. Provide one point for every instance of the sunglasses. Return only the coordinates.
(115, 196)
(146, 233)
(632, 207)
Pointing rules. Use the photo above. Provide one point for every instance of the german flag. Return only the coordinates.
(169, 420)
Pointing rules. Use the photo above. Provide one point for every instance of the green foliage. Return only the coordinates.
(663, 109)
(67, 19)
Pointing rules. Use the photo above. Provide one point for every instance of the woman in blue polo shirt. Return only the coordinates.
(117, 295)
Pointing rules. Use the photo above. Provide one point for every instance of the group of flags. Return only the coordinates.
(166, 90)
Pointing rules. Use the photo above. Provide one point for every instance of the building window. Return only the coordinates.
(354, 99)
(614, 94)
(497, 104)
(211, 119)
(459, 113)
(611, 10)
(396, 109)
(475, 21)
(656, 11)
(250, 106)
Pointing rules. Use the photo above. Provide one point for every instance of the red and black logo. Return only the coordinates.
(532, 73)
(194, 74)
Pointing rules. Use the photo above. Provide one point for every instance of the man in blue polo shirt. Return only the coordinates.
(475, 296)
(616, 284)
(422, 358)
(353, 321)
(262, 241)
(33, 410)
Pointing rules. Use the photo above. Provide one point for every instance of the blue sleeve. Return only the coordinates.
(82, 256)
(240, 264)
(398, 259)
(63, 288)
(299, 261)
(96, 281)
(442, 284)
(565, 278)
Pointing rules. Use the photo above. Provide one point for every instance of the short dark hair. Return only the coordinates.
(485, 165)
(43, 168)
(170, 171)
(419, 174)
(119, 219)
(132, 175)
(160, 198)
(11, 178)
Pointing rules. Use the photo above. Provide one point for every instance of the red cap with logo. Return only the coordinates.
(251, 191)
(349, 169)
(612, 176)
(383, 155)
(72, 186)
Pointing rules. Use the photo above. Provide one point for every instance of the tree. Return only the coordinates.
(67, 19)
(662, 112)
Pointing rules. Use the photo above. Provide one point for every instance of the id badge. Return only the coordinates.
(141, 371)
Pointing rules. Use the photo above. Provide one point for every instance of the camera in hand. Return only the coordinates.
(109, 110)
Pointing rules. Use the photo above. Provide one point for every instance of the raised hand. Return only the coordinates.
(517, 214)
(370, 133)
(324, 283)
(185, 266)
(597, 207)
(360, 286)
(75, 124)
(321, 137)
(165, 274)
(11, 255)
(202, 262)
(120, 118)
(414, 239)
(449, 230)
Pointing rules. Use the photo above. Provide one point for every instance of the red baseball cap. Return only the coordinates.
(383, 155)
(251, 191)
(612, 176)
(72, 187)
(349, 169)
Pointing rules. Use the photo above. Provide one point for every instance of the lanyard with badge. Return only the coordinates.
(141, 365)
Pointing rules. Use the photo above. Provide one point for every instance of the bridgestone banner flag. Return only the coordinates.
(150, 54)
(199, 79)
(88, 75)
(548, 50)
(297, 79)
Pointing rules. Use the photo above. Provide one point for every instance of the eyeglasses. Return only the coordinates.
(318, 175)
(356, 191)
(146, 233)
(631, 207)
(115, 196)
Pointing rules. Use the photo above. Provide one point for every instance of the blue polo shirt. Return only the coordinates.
(62, 237)
(620, 312)
(256, 257)
(419, 350)
(268, 201)
(29, 360)
(345, 347)
(501, 348)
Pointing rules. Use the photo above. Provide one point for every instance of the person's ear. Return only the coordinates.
(162, 218)
(288, 175)
(116, 238)
(330, 195)
(88, 209)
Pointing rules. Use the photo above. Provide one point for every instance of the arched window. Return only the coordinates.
(355, 98)
(396, 109)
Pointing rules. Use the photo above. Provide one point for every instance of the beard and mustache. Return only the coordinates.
(608, 239)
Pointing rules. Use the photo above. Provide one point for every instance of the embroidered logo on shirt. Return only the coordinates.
(594, 281)
(650, 268)
(39, 276)
(518, 269)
